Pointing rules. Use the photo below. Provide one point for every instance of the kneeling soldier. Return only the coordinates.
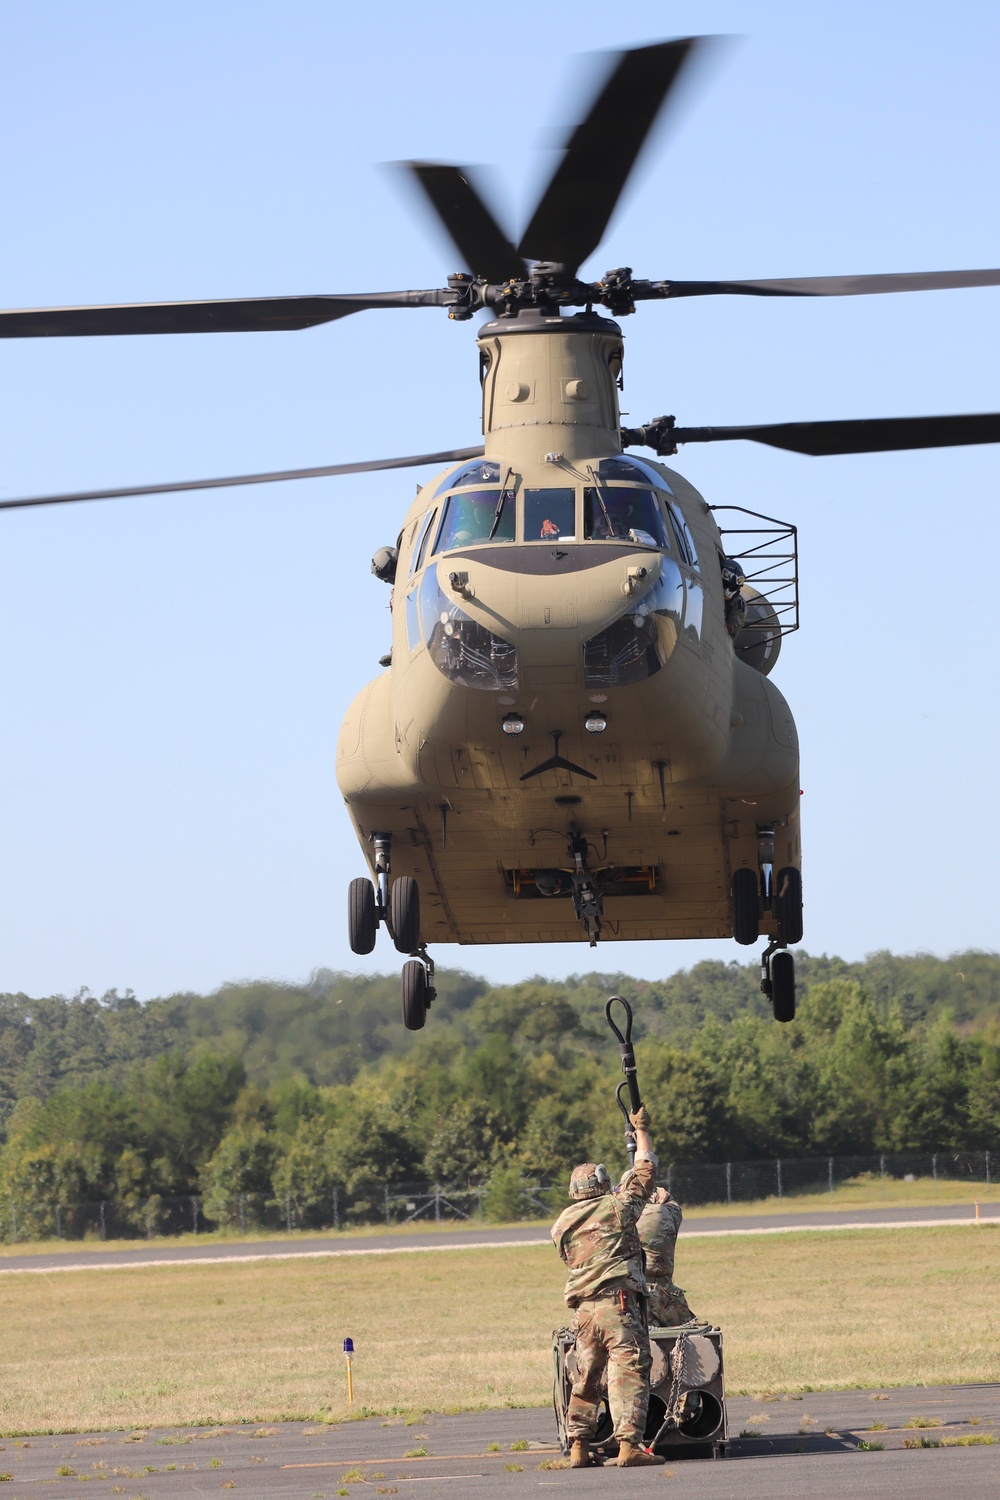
(598, 1239)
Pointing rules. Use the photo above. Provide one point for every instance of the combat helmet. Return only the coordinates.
(590, 1180)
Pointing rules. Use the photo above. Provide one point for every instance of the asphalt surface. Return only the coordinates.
(93, 1257)
(794, 1447)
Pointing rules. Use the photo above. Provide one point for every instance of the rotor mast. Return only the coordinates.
(550, 387)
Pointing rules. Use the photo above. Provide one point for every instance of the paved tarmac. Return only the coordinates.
(92, 1257)
(781, 1446)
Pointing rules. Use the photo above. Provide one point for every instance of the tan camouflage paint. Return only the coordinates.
(692, 760)
(616, 1342)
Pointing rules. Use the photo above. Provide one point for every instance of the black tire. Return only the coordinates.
(746, 907)
(362, 918)
(783, 986)
(404, 914)
(414, 995)
(788, 902)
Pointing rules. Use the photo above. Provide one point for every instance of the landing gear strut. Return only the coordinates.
(777, 980)
(395, 906)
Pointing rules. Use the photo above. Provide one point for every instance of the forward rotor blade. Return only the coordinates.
(453, 455)
(834, 286)
(482, 244)
(238, 315)
(575, 208)
(866, 435)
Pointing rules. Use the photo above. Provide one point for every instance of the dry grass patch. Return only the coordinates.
(866, 1192)
(260, 1342)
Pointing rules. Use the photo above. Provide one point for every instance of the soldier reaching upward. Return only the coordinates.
(598, 1239)
(658, 1225)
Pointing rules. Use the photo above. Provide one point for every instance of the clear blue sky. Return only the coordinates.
(173, 670)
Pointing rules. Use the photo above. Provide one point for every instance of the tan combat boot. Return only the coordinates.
(580, 1456)
(631, 1457)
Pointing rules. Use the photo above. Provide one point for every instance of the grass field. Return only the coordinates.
(864, 1192)
(467, 1329)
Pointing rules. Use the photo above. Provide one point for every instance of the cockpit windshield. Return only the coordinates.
(614, 513)
(476, 472)
(550, 515)
(476, 516)
(631, 470)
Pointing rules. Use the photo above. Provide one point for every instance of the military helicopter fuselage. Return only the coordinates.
(575, 736)
(559, 603)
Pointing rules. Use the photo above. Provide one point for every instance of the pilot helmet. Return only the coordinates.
(733, 576)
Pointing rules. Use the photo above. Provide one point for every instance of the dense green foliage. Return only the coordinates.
(281, 1092)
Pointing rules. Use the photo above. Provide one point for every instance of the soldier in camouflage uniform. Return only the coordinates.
(599, 1242)
(658, 1225)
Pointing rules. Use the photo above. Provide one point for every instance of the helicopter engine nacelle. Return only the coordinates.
(759, 641)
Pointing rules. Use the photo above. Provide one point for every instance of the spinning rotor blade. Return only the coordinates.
(834, 286)
(575, 208)
(454, 455)
(237, 315)
(876, 435)
(482, 244)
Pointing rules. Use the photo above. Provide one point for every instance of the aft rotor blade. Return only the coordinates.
(866, 435)
(482, 244)
(575, 208)
(453, 455)
(236, 315)
(832, 286)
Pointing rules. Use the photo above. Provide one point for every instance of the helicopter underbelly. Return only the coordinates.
(475, 835)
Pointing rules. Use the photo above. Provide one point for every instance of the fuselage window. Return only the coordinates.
(621, 514)
(550, 515)
(476, 516)
(412, 620)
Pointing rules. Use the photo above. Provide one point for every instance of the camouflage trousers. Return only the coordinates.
(667, 1306)
(613, 1342)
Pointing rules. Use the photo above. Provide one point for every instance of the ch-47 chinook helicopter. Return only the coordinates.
(574, 734)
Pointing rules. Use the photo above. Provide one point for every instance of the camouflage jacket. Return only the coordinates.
(598, 1238)
(658, 1225)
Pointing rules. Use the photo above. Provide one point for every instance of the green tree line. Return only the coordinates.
(280, 1093)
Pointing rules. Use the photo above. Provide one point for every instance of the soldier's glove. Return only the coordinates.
(640, 1118)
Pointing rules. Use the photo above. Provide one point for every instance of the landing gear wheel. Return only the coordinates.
(414, 995)
(404, 914)
(783, 986)
(746, 907)
(362, 917)
(788, 904)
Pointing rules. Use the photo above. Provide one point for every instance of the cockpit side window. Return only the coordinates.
(681, 530)
(425, 541)
(420, 546)
(550, 515)
(476, 516)
(614, 513)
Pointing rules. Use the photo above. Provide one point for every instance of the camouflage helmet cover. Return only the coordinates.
(590, 1180)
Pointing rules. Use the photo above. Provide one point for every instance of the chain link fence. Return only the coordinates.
(507, 1195)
